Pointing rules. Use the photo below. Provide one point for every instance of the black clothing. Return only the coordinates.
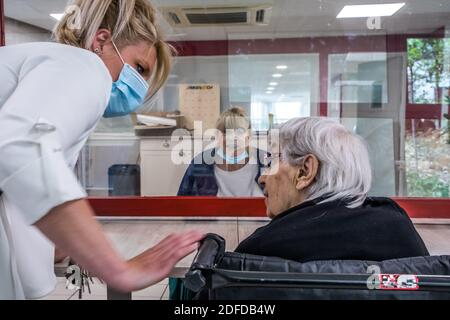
(378, 230)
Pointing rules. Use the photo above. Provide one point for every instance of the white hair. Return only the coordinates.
(344, 166)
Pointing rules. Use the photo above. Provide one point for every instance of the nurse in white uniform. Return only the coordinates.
(51, 97)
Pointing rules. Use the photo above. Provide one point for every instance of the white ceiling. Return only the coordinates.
(290, 18)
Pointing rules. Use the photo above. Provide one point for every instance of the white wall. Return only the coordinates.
(197, 70)
(17, 32)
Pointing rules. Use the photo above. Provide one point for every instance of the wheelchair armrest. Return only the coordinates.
(210, 251)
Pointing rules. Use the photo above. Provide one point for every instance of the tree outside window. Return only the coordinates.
(428, 71)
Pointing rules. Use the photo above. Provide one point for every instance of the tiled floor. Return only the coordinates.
(133, 237)
(159, 291)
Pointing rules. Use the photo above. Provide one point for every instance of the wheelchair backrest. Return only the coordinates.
(220, 275)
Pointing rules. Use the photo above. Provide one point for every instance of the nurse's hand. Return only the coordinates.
(73, 228)
(155, 264)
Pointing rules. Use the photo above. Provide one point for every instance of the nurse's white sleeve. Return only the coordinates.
(51, 108)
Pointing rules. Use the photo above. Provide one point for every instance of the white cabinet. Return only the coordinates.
(163, 165)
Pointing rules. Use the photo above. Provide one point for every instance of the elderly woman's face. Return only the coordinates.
(285, 184)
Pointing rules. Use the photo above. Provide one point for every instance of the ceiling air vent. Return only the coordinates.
(260, 16)
(174, 18)
(217, 16)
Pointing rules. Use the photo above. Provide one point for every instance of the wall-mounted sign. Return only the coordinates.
(200, 102)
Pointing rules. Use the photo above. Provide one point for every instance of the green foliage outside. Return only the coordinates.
(428, 153)
(428, 164)
(427, 186)
(428, 74)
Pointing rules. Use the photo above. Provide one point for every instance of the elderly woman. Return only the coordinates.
(316, 194)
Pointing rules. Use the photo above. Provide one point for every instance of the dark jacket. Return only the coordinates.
(200, 179)
(378, 230)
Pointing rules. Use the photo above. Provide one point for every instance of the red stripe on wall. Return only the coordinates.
(236, 207)
(2, 24)
(323, 112)
(424, 111)
(289, 45)
(201, 48)
(326, 45)
(323, 74)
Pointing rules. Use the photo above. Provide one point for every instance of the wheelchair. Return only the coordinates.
(219, 275)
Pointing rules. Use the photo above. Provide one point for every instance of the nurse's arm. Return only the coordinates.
(73, 228)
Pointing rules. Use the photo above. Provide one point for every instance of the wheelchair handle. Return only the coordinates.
(211, 250)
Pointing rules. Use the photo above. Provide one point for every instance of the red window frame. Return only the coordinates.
(2, 24)
(417, 208)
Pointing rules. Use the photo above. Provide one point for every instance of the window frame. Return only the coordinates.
(141, 207)
(423, 208)
(2, 24)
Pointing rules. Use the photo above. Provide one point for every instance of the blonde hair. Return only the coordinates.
(233, 118)
(129, 22)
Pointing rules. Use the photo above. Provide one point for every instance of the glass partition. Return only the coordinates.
(385, 77)
(252, 83)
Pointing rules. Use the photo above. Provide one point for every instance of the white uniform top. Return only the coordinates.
(51, 98)
(240, 183)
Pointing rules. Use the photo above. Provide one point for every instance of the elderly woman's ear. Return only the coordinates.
(306, 172)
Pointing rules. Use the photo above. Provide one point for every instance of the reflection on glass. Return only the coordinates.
(378, 134)
(386, 78)
(284, 85)
(358, 78)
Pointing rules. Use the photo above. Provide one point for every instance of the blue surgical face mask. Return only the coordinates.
(230, 159)
(128, 92)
